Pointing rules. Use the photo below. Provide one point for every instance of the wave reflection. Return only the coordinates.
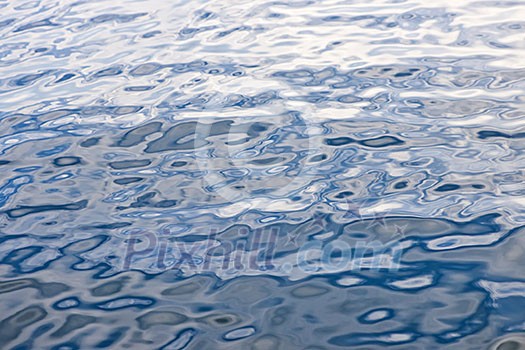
(261, 175)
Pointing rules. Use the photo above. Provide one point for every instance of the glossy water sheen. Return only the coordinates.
(210, 123)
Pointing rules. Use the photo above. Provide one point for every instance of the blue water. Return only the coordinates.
(262, 174)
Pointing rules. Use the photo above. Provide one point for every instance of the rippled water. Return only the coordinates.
(262, 174)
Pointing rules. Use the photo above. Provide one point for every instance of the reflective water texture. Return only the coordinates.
(145, 144)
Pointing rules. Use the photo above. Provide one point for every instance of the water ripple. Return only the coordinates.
(263, 175)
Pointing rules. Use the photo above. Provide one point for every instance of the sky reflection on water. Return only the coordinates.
(262, 175)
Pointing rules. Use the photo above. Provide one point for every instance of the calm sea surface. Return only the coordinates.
(262, 174)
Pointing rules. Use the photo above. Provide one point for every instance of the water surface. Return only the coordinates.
(261, 174)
